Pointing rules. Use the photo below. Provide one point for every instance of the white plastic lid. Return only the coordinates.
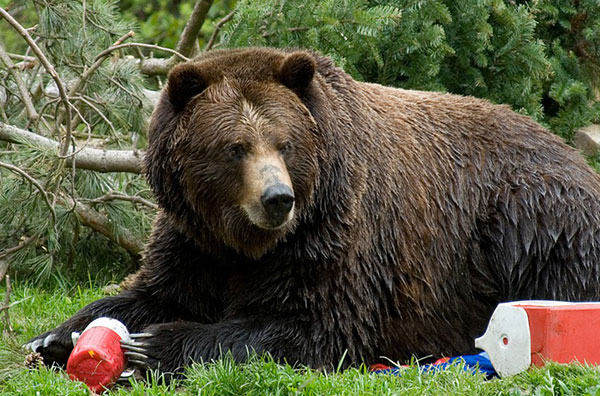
(507, 340)
(112, 324)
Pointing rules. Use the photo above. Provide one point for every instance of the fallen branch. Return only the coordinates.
(87, 158)
(93, 219)
(122, 197)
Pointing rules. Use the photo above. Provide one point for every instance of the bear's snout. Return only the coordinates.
(277, 200)
(268, 196)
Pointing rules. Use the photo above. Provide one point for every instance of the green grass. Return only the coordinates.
(40, 310)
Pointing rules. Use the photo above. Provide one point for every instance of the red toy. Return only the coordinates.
(522, 333)
(97, 358)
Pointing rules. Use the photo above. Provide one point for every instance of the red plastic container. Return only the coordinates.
(564, 333)
(525, 333)
(97, 358)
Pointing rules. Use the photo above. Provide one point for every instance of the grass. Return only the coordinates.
(40, 310)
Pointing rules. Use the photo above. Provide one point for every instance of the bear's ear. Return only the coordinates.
(296, 71)
(184, 82)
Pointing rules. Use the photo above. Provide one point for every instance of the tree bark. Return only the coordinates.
(93, 219)
(87, 158)
(189, 36)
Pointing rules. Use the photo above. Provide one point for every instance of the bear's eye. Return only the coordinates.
(236, 151)
(285, 148)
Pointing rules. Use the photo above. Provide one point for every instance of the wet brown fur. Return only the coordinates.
(416, 213)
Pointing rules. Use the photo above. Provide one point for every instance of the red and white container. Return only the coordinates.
(97, 358)
(525, 333)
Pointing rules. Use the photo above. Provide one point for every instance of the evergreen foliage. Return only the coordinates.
(540, 56)
(112, 112)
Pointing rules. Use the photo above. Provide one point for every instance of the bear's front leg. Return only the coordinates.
(135, 309)
(173, 271)
(169, 347)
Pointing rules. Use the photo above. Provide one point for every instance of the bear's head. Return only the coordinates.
(233, 153)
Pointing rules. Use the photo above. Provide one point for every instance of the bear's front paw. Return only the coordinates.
(159, 347)
(54, 347)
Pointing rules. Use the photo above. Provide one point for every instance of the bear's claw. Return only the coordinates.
(40, 342)
(136, 351)
(136, 356)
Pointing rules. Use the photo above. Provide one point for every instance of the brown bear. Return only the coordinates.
(308, 215)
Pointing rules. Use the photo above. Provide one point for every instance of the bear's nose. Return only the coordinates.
(278, 201)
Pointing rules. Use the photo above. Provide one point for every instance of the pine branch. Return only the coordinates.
(122, 197)
(6, 252)
(189, 36)
(25, 96)
(152, 66)
(176, 54)
(35, 183)
(87, 158)
(50, 69)
(93, 219)
(99, 60)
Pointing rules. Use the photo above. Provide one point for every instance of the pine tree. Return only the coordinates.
(540, 56)
(109, 110)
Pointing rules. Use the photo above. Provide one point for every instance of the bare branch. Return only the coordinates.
(25, 96)
(189, 36)
(6, 304)
(185, 47)
(14, 303)
(99, 223)
(22, 57)
(152, 66)
(142, 45)
(24, 243)
(122, 197)
(99, 60)
(218, 27)
(50, 69)
(3, 268)
(35, 183)
(157, 66)
(88, 158)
